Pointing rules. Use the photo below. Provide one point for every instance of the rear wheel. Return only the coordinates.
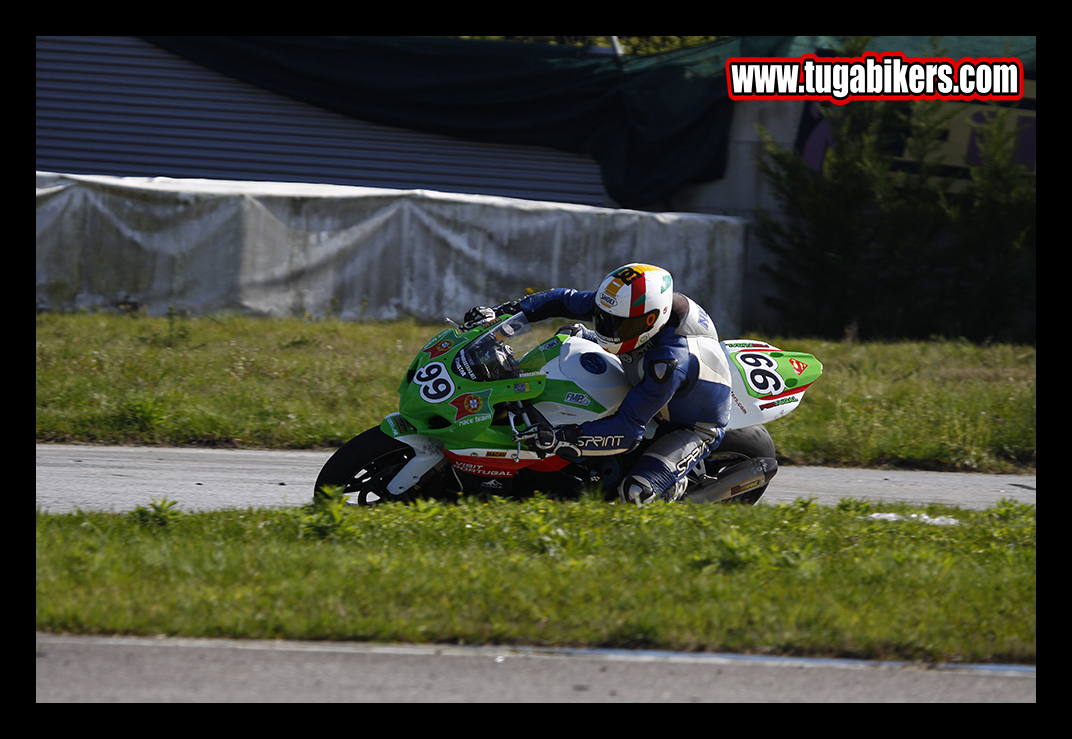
(750, 442)
(364, 466)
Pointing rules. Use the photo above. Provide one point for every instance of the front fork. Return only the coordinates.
(427, 453)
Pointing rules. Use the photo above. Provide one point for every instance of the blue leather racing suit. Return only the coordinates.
(681, 376)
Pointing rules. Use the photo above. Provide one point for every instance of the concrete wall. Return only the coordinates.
(743, 189)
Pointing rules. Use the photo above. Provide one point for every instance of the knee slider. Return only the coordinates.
(636, 490)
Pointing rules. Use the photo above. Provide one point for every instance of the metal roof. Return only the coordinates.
(118, 105)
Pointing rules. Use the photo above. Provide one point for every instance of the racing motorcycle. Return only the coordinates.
(473, 390)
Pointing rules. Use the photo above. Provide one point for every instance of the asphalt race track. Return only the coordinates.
(161, 670)
(119, 478)
(125, 669)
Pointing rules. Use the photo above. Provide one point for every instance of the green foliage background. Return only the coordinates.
(886, 253)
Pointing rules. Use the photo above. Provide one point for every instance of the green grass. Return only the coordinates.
(941, 405)
(292, 383)
(793, 579)
(222, 380)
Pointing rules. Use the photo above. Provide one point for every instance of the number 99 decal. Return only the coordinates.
(759, 370)
(436, 385)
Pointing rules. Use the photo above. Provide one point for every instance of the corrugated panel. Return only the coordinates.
(117, 105)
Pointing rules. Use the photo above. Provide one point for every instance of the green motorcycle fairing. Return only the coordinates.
(456, 386)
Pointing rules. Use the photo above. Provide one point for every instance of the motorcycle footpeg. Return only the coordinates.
(735, 480)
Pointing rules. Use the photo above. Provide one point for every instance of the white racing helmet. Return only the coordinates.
(632, 304)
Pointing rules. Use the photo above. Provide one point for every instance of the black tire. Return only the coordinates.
(751, 442)
(363, 466)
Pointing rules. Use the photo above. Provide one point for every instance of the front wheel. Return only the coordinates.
(363, 467)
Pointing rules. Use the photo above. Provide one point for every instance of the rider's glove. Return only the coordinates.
(478, 315)
(509, 308)
(482, 314)
(560, 440)
(574, 329)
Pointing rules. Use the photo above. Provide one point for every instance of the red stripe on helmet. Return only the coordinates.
(639, 289)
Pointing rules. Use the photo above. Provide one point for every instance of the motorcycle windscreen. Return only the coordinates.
(496, 355)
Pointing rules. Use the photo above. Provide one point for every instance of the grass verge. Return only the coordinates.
(291, 383)
(793, 579)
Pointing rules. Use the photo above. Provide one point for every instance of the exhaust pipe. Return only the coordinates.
(734, 480)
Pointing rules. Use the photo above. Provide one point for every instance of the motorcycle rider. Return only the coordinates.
(671, 354)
